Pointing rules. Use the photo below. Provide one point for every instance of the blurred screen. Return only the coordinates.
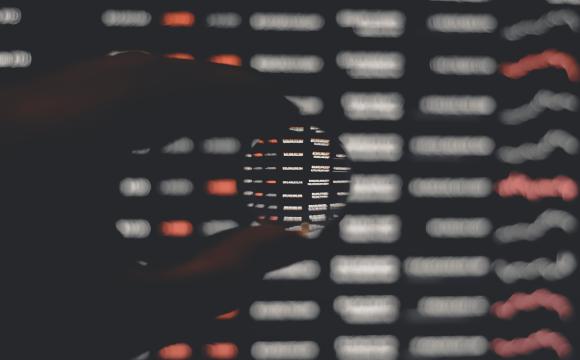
(460, 118)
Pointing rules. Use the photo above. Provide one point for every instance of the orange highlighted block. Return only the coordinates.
(549, 58)
(221, 351)
(180, 56)
(226, 59)
(178, 19)
(180, 351)
(518, 184)
(176, 228)
(229, 315)
(222, 187)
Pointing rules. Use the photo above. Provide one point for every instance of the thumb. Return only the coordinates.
(245, 253)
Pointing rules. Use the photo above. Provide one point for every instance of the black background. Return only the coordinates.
(58, 33)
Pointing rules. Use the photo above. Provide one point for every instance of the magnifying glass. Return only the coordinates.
(298, 180)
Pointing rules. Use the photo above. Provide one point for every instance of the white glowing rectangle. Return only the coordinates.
(212, 227)
(368, 347)
(303, 270)
(221, 145)
(372, 106)
(337, 205)
(292, 141)
(372, 23)
(318, 182)
(292, 208)
(371, 64)
(375, 188)
(453, 306)
(452, 145)
(448, 346)
(10, 16)
(320, 142)
(284, 310)
(292, 196)
(15, 59)
(364, 269)
(321, 154)
(320, 168)
(567, 2)
(367, 309)
(543, 268)
(451, 187)
(286, 22)
(372, 146)
(463, 65)
(307, 105)
(287, 64)
(370, 228)
(292, 218)
(458, 227)
(135, 187)
(176, 187)
(285, 350)
(182, 145)
(462, 23)
(133, 228)
(447, 266)
(319, 195)
(125, 18)
(317, 207)
(317, 218)
(465, 105)
(292, 182)
(225, 20)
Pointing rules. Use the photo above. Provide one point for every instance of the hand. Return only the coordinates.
(61, 137)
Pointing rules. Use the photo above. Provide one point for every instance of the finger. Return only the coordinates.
(137, 99)
(247, 253)
(186, 298)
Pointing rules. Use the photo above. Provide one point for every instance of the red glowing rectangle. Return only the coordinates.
(176, 228)
(229, 315)
(517, 184)
(222, 187)
(178, 19)
(541, 298)
(180, 351)
(226, 59)
(221, 351)
(541, 339)
(546, 59)
(180, 56)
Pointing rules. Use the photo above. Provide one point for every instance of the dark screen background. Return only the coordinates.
(54, 34)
